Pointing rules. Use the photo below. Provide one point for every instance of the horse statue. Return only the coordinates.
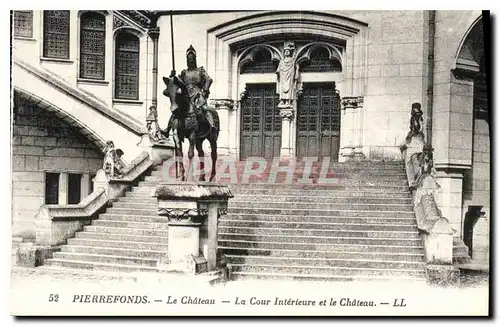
(191, 117)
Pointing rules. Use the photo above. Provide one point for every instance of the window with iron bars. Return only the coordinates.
(23, 23)
(92, 45)
(127, 67)
(56, 34)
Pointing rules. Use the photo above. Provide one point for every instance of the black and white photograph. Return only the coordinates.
(250, 162)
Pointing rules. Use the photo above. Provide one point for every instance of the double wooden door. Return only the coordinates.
(318, 121)
(260, 122)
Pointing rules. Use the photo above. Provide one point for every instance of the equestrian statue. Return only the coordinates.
(191, 117)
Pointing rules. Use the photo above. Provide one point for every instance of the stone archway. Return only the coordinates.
(227, 38)
(471, 70)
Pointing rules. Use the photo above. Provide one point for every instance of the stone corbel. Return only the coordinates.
(352, 102)
(287, 113)
(222, 104)
(244, 94)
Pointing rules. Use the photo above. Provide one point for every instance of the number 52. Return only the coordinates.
(53, 298)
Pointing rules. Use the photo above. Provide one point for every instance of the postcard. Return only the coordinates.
(250, 163)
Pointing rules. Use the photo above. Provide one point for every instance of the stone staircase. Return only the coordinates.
(360, 226)
(126, 238)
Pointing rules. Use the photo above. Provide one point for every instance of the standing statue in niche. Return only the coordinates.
(287, 75)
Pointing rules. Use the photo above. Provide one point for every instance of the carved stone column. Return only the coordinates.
(225, 109)
(287, 116)
(351, 128)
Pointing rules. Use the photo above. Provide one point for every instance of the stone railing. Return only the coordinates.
(437, 233)
(56, 223)
(435, 229)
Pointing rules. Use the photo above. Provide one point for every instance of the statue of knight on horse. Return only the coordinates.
(191, 117)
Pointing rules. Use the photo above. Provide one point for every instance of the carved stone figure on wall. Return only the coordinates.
(416, 121)
(154, 131)
(287, 75)
(113, 164)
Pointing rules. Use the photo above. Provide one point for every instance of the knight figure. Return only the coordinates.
(197, 82)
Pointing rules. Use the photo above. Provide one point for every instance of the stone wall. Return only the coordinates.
(477, 189)
(397, 70)
(396, 67)
(43, 143)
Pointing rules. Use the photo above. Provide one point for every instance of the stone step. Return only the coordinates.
(319, 206)
(263, 231)
(133, 211)
(135, 205)
(110, 251)
(325, 270)
(389, 176)
(319, 212)
(271, 193)
(120, 237)
(414, 241)
(88, 265)
(333, 183)
(350, 253)
(108, 259)
(320, 199)
(299, 170)
(346, 226)
(415, 248)
(126, 231)
(245, 276)
(108, 243)
(145, 194)
(135, 196)
(129, 224)
(152, 218)
(353, 262)
(320, 219)
(138, 198)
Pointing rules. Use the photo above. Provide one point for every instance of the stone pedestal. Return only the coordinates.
(287, 115)
(192, 211)
(158, 152)
(438, 244)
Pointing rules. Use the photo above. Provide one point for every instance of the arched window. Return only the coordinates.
(92, 45)
(127, 66)
(261, 64)
(56, 34)
(320, 62)
(23, 23)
